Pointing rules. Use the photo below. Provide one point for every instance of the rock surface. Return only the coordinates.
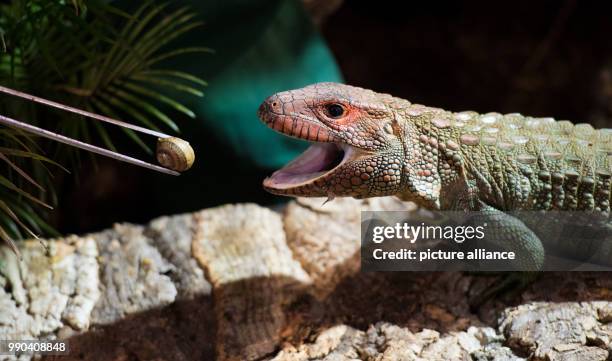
(241, 282)
(541, 331)
(246, 257)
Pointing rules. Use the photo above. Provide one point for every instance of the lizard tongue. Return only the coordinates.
(314, 162)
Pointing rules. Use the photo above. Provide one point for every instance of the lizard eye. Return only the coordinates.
(335, 110)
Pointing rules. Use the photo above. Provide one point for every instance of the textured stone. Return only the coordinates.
(133, 274)
(247, 260)
(96, 279)
(558, 331)
(144, 289)
(325, 237)
(384, 342)
(49, 291)
(173, 238)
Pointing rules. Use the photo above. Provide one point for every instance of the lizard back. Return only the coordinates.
(521, 162)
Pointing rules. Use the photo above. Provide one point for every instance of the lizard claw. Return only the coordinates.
(330, 197)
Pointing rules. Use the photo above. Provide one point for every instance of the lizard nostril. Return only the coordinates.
(274, 104)
(270, 105)
(263, 109)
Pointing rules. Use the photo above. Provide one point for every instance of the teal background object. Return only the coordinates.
(260, 47)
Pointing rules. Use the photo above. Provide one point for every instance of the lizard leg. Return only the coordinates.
(505, 232)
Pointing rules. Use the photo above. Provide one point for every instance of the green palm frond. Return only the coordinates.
(18, 187)
(121, 78)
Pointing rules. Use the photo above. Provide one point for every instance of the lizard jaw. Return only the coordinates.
(305, 175)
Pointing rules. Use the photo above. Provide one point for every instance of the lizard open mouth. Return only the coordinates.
(318, 160)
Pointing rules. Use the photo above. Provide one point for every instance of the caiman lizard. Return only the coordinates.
(368, 144)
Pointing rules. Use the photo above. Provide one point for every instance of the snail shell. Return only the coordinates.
(175, 153)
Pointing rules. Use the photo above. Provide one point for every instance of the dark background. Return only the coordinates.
(541, 58)
(544, 58)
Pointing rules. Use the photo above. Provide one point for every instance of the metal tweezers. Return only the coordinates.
(77, 143)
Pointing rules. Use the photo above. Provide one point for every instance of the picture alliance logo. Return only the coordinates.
(412, 233)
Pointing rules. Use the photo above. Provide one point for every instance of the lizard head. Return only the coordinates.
(356, 141)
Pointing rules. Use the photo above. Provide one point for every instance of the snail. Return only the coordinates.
(175, 153)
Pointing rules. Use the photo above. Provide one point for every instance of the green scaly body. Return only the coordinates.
(492, 163)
